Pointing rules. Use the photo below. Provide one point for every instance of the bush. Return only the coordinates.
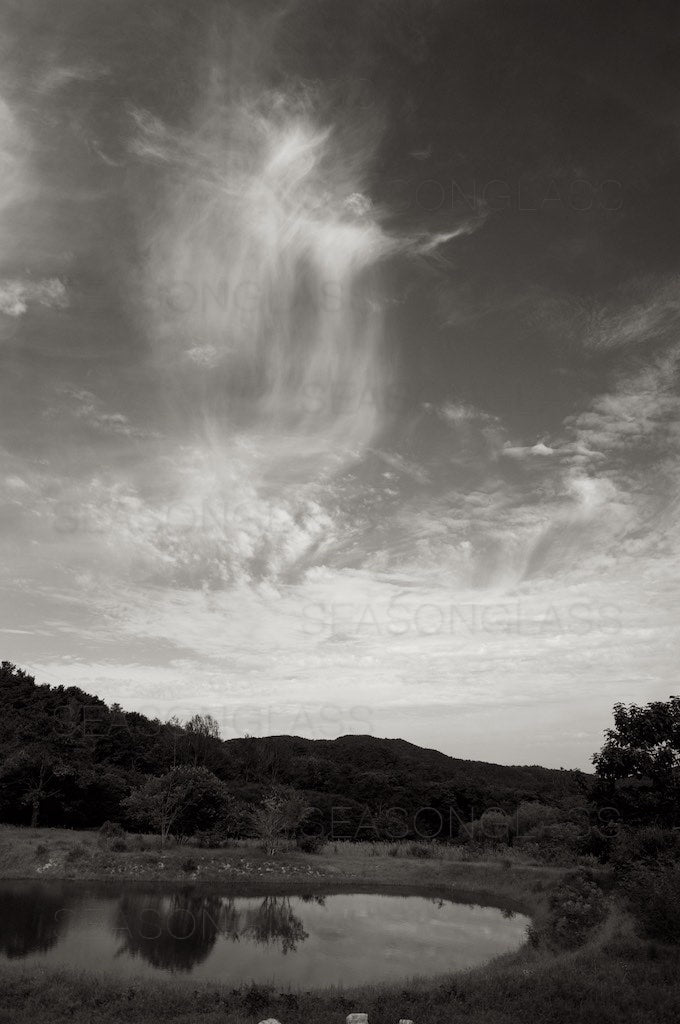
(552, 843)
(76, 853)
(42, 850)
(118, 845)
(644, 845)
(576, 907)
(653, 894)
(310, 844)
(111, 830)
(189, 865)
(214, 838)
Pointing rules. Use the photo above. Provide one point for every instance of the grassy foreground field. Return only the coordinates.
(612, 977)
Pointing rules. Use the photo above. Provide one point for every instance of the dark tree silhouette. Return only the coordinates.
(274, 921)
(68, 759)
(33, 918)
(638, 768)
(172, 933)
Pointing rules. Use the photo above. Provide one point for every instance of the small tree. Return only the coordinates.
(34, 773)
(279, 814)
(184, 799)
(208, 806)
(157, 803)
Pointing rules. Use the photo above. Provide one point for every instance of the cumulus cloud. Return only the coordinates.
(17, 295)
(187, 528)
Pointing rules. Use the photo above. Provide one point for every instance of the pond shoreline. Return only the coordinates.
(286, 887)
(613, 975)
(248, 871)
(197, 935)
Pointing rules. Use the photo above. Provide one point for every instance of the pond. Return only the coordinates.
(292, 941)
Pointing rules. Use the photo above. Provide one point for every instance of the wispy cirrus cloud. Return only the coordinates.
(644, 311)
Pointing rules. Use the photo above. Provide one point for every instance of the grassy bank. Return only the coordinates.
(612, 977)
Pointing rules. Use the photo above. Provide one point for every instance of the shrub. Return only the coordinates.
(255, 998)
(111, 830)
(647, 845)
(189, 865)
(310, 844)
(76, 853)
(653, 894)
(552, 843)
(576, 907)
(42, 850)
(118, 845)
(212, 839)
(146, 842)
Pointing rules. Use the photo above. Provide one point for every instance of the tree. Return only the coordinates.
(158, 802)
(277, 817)
(638, 768)
(34, 774)
(201, 733)
(209, 804)
(183, 800)
(263, 759)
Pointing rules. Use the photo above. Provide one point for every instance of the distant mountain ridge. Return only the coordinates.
(382, 753)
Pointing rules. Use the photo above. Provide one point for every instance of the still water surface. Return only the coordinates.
(293, 941)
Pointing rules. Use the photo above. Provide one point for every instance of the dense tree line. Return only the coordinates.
(68, 759)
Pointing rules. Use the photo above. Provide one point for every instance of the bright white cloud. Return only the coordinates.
(17, 295)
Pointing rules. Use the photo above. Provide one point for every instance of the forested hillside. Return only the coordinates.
(67, 759)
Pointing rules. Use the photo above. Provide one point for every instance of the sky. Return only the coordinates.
(339, 364)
